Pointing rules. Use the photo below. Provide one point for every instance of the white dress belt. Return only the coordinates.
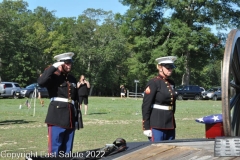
(62, 100)
(157, 106)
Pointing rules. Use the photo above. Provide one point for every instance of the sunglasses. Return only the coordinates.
(169, 66)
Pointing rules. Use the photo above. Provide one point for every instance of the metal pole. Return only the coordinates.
(136, 91)
(34, 103)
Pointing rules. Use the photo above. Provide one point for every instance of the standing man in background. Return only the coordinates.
(123, 91)
(61, 115)
(83, 86)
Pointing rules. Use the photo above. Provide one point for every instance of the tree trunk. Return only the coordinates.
(91, 89)
(89, 63)
(186, 75)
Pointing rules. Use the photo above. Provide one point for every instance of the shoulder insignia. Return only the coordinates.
(147, 90)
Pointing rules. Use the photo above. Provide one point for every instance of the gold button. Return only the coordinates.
(167, 86)
(57, 106)
(171, 93)
(166, 82)
(169, 90)
(171, 98)
(171, 103)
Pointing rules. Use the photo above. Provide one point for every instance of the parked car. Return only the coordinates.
(202, 89)
(217, 95)
(29, 91)
(10, 89)
(188, 92)
(2, 88)
(210, 93)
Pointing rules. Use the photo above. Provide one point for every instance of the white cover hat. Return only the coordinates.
(64, 56)
(169, 60)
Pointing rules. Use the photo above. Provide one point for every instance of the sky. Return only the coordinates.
(73, 8)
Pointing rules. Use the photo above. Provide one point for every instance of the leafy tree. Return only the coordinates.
(101, 50)
(12, 51)
(185, 34)
(118, 49)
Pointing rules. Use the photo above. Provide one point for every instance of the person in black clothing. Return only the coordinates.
(159, 103)
(123, 91)
(61, 115)
(83, 85)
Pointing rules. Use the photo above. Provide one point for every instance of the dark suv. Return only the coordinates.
(188, 92)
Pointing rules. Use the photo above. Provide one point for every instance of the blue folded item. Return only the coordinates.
(211, 119)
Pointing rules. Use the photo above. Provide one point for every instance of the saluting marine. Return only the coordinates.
(62, 112)
(159, 103)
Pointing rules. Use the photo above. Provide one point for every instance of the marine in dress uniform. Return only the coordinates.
(159, 105)
(62, 113)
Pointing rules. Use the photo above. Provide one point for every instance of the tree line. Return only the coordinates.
(114, 49)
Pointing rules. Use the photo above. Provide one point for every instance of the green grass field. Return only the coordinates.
(108, 118)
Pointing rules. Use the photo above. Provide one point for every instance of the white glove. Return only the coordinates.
(57, 64)
(147, 133)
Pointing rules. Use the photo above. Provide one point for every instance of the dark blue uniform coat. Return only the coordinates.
(159, 91)
(60, 114)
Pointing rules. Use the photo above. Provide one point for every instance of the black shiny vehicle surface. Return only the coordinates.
(188, 92)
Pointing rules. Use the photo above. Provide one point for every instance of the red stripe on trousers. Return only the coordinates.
(49, 139)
